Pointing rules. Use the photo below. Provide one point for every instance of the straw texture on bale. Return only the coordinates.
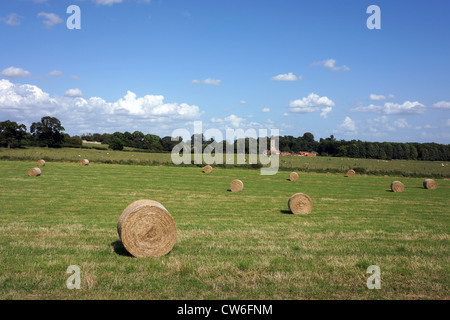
(429, 184)
(300, 203)
(236, 186)
(207, 169)
(84, 162)
(293, 176)
(41, 163)
(351, 173)
(397, 186)
(34, 172)
(147, 229)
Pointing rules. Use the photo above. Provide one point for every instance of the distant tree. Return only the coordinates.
(115, 143)
(74, 142)
(12, 135)
(48, 131)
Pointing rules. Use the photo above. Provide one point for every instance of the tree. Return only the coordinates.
(115, 143)
(12, 134)
(48, 131)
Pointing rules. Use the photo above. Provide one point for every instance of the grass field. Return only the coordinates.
(409, 168)
(229, 246)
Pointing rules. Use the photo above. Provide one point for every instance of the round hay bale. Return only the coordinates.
(41, 163)
(397, 186)
(293, 176)
(236, 186)
(207, 169)
(429, 184)
(84, 162)
(351, 173)
(34, 172)
(147, 229)
(300, 203)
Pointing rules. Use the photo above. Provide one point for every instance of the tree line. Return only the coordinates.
(50, 133)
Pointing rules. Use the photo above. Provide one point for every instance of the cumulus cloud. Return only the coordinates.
(29, 102)
(242, 102)
(401, 123)
(75, 78)
(208, 81)
(13, 19)
(287, 77)
(73, 93)
(388, 108)
(13, 73)
(347, 125)
(50, 19)
(444, 105)
(265, 110)
(312, 103)
(55, 73)
(331, 64)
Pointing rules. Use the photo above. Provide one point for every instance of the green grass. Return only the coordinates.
(407, 168)
(240, 246)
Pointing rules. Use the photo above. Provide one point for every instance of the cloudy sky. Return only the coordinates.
(297, 66)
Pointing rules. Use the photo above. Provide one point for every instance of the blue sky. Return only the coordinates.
(297, 66)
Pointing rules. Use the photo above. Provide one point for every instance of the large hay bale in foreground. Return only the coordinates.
(147, 229)
(34, 172)
(41, 163)
(207, 169)
(300, 203)
(429, 184)
(397, 186)
(236, 186)
(293, 176)
(84, 162)
(351, 173)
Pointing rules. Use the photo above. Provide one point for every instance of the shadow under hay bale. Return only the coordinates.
(120, 249)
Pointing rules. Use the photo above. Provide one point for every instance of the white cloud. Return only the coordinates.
(107, 2)
(380, 97)
(312, 103)
(29, 102)
(242, 102)
(208, 81)
(73, 93)
(348, 125)
(265, 110)
(377, 97)
(287, 77)
(331, 64)
(13, 72)
(407, 107)
(55, 73)
(75, 78)
(401, 123)
(444, 105)
(50, 19)
(13, 19)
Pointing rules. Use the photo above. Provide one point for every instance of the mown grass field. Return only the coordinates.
(229, 245)
(435, 169)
